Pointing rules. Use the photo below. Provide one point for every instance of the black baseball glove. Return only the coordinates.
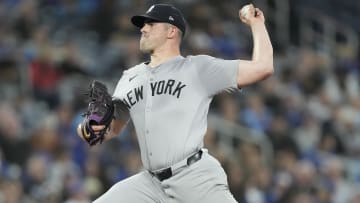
(100, 111)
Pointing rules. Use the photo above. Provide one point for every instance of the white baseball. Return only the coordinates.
(245, 11)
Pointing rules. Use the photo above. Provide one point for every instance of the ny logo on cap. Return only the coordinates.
(171, 18)
(150, 9)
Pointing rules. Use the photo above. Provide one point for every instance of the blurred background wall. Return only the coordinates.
(294, 138)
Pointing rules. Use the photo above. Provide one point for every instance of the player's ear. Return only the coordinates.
(172, 31)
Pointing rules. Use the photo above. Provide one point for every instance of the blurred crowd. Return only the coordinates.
(50, 50)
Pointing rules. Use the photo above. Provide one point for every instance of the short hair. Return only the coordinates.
(180, 33)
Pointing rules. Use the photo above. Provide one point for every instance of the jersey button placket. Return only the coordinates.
(147, 112)
(148, 105)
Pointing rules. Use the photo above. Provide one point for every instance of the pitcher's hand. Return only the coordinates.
(250, 15)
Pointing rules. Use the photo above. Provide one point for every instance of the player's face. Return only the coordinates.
(154, 34)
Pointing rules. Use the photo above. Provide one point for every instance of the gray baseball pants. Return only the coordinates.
(202, 182)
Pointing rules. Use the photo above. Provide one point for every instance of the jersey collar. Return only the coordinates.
(162, 65)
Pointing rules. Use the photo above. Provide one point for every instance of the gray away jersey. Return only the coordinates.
(169, 104)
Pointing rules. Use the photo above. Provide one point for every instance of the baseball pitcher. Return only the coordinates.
(168, 100)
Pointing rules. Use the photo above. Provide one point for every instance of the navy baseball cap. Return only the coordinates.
(161, 13)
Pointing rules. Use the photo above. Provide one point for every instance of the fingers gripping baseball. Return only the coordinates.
(249, 14)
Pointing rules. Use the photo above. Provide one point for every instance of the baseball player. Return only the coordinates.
(168, 100)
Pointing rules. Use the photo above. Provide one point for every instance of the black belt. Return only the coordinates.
(168, 172)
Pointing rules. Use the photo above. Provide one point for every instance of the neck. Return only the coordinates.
(162, 55)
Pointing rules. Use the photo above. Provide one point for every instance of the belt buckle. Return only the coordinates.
(168, 172)
(163, 174)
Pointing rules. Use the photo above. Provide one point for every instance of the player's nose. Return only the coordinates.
(145, 28)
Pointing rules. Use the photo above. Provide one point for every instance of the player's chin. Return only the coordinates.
(145, 50)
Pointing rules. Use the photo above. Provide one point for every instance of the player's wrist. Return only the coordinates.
(256, 23)
(257, 27)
